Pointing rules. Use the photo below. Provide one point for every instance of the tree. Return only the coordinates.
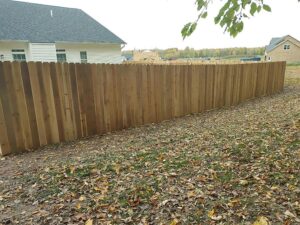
(230, 16)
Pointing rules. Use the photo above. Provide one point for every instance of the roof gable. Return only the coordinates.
(43, 23)
(275, 42)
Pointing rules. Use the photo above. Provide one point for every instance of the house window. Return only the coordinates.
(286, 47)
(61, 55)
(19, 55)
(83, 57)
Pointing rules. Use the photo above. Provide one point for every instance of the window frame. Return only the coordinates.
(83, 59)
(18, 55)
(61, 55)
(286, 47)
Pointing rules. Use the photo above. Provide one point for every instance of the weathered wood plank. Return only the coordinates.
(50, 108)
(11, 95)
(30, 108)
(5, 147)
(21, 103)
(75, 100)
(42, 103)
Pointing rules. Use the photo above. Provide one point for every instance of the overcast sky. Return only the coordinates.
(147, 24)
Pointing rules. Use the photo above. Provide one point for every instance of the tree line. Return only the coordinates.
(175, 53)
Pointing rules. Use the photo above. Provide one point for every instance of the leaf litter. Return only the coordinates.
(229, 166)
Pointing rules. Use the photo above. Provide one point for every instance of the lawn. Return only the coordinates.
(228, 166)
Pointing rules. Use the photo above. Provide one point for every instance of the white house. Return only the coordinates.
(35, 32)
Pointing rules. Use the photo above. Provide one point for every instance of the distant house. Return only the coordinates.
(284, 48)
(146, 55)
(35, 32)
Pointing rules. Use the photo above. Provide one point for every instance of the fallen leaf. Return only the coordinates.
(191, 194)
(261, 221)
(243, 182)
(72, 169)
(216, 218)
(89, 222)
(211, 213)
(174, 222)
(82, 198)
(233, 202)
(289, 214)
(117, 168)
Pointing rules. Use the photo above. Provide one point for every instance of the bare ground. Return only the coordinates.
(229, 166)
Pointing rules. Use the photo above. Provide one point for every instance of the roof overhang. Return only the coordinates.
(88, 42)
(21, 41)
(282, 42)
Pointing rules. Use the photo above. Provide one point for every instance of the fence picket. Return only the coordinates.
(46, 103)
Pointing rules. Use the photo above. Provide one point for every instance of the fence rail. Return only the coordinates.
(46, 103)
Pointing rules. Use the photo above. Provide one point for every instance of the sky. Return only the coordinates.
(149, 24)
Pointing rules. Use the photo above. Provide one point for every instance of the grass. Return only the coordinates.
(293, 74)
(293, 64)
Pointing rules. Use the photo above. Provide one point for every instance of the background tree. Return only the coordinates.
(230, 16)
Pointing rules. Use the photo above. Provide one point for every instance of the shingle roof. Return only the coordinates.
(34, 23)
(274, 42)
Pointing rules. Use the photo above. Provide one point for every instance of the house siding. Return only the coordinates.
(280, 54)
(6, 49)
(96, 53)
(44, 52)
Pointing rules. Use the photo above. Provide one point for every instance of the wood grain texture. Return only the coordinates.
(46, 103)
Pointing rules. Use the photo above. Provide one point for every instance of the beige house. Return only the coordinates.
(147, 56)
(285, 48)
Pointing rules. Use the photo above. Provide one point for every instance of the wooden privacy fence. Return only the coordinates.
(46, 103)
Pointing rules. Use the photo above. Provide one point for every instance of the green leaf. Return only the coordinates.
(258, 8)
(188, 29)
(204, 15)
(200, 4)
(235, 2)
(244, 3)
(225, 6)
(222, 23)
(217, 19)
(184, 30)
(230, 14)
(267, 8)
(193, 28)
(253, 8)
(245, 15)
(239, 27)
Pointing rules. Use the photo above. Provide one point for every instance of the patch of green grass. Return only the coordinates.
(241, 153)
(294, 145)
(175, 164)
(47, 192)
(81, 172)
(277, 178)
(293, 64)
(225, 176)
(197, 217)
